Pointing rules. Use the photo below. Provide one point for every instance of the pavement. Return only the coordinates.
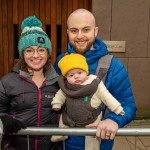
(134, 142)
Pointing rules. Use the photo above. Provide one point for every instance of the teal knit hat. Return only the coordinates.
(33, 35)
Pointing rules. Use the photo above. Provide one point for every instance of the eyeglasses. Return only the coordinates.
(31, 51)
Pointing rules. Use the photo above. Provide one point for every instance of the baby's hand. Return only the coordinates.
(56, 109)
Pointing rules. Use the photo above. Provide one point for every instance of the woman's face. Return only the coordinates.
(35, 57)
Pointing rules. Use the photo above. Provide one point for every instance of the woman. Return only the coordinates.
(27, 91)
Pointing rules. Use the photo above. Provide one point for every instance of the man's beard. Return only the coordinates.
(83, 50)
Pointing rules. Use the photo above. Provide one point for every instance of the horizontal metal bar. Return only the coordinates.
(81, 131)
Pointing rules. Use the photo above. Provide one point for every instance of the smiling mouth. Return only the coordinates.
(81, 42)
(36, 60)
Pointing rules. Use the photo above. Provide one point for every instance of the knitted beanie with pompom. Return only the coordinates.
(33, 35)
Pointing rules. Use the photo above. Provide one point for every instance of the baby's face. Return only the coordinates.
(76, 76)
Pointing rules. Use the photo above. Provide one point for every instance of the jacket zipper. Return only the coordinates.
(39, 115)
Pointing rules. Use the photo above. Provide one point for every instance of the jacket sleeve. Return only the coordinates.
(4, 100)
(109, 100)
(118, 84)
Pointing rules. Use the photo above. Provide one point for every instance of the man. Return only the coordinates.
(82, 32)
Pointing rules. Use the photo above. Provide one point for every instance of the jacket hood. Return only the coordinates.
(51, 75)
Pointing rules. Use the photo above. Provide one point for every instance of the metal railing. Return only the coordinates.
(81, 131)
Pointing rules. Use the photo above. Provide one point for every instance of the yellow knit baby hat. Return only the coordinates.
(72, 61)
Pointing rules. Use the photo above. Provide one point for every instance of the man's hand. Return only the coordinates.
(106, 129)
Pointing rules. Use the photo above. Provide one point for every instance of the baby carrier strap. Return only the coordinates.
(101, 71)
(103, 66)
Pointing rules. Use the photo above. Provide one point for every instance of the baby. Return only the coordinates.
(81, 95)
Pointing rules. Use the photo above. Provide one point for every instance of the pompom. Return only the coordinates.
(31, 21)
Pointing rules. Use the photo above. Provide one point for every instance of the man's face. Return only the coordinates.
(81, 32)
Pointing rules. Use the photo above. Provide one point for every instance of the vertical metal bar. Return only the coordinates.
(64, 148)
(28, 142)
(135, 142)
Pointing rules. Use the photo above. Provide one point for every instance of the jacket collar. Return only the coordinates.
(100, 49)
